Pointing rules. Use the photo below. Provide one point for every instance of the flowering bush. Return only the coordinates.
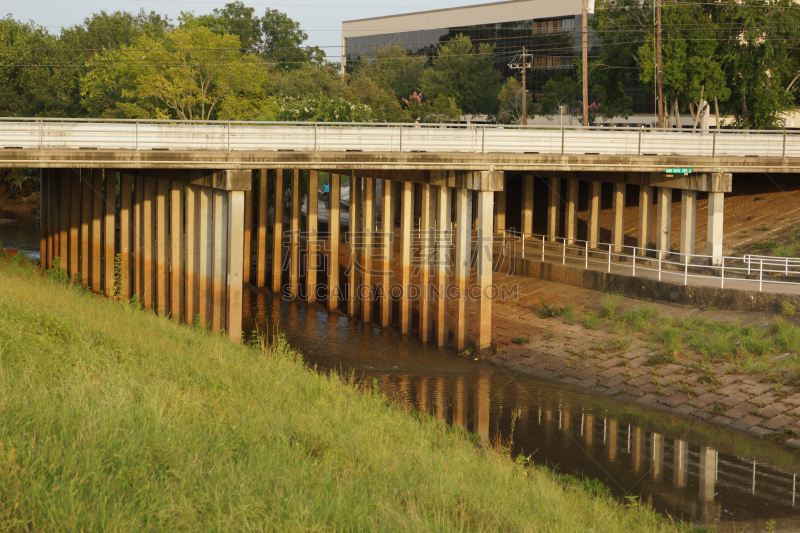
(321, 109)
(440, 109)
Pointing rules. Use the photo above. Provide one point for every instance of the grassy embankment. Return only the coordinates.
(117, 420)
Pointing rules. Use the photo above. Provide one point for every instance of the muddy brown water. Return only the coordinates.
(702, 473)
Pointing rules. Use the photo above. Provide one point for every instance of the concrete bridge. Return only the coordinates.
(173, 212)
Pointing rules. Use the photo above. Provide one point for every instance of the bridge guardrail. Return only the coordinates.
(229, 136)
(670, 265)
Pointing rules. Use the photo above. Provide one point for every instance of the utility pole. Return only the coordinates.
(659, 66)
(586, 63)
(524, 89)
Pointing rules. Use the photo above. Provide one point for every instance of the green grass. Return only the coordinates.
(117, 420)
(521, 340)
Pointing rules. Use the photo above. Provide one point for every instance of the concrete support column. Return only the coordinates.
(312, 230)
(484, 257)
(109, 231)
(442, 263)
(247, 253)
(664, 220)
(406, 224)
(51, 217)
(365, 289)
(462, 264)
(219, 249)
(125, 193)
(645, 217)
(97, 230)
(553, 208)
(138, 237)
(235, 275)
(527, 204)
(716, 202)
(202, 269)
(571, 229)
(55, 195)
(43, 203)
(261, 235)
(688, 223)
(162, 191)
(500, 210)
(74, 224)
(387, 251)
(425, 233)
(64, 219)
(334, 228)
(294, 236)
(86, 225)
(277, 235)
(618, 214)
(176, 250)
(356, 228)
(595, 192)
(190, 291)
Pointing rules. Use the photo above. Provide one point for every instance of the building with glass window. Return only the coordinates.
(549, 30)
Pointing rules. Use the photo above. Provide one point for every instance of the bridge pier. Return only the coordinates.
(595, 193)
(664, 221)
(91, 250)
(387, 251)
(334, 223)
(618, 217)
(571, 222)
(688, 223)
(554, 208)
(355, 230)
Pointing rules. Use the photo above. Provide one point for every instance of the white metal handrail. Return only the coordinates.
(675, 266)
(130, 134)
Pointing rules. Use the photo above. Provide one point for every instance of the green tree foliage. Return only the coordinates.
(323, 109)
(191, 74)
(511, 98)
(465, 73)
(557, 93)
(440, 109)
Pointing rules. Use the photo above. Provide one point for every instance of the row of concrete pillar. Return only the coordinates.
(429, 273)
(173, 247)
(646, 237)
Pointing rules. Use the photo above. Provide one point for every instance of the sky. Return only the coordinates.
(320, 19)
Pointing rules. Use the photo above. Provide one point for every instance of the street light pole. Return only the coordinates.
(659, 66)
(586, 63)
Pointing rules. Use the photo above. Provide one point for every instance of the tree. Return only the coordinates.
(282, 41)
(235, 19)
(441, 109)
(323, 109)
(560, 92)
(191, 74)
(466, 74)
(511, 98)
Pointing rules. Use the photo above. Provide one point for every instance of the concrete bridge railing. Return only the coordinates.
(147, 135)
(746, 272)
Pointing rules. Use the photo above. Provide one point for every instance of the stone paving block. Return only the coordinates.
(611, 363)
(705, 399)
(793, 399)
(734, 399)
(740, 411)
(616, 389)
(779, 422)
(668, 370)
(647, 388)
(616, 380)
(675, 400)
(758, 431)
(584, 373)
(641, 371)
(774, 409)
(764, 399)
(746, 422)
(702, 415)
(570, 380)
(588, 382)
(683, 409)
(612, 372)
(639, 381)
(730, 389)
(759, 388)
(637, 362)
(720, 420)
(729, 380)
(649, 400)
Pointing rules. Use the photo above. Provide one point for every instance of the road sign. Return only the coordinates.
(678, 170)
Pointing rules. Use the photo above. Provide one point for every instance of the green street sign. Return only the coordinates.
(678, 171)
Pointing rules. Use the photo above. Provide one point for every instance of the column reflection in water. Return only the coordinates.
(422, 395)
(707, 479)
(460, 403)
(657, 455)
(441, 399)
(611, 444)
(680, 464)
(482, 403)
(636, 449)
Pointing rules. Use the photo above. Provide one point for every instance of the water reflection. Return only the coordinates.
(706, 474)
